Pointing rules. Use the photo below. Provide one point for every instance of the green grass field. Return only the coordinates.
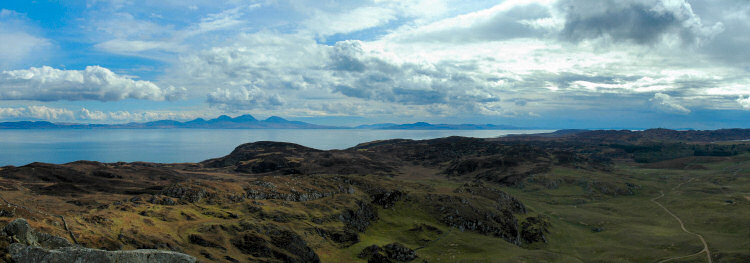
(592, 226)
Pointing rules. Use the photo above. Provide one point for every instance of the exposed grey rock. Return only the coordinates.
(367, 252)
(294, 196)
(20, 231)
(22, 253)
(503, 199)
(461, 213)
(161, 200)
(399, 252)
(7, 213)
(283, 245)
(359, 219)
(534, 229)
(387, 199)
(185, 193)
(394, 252)
(32, 246)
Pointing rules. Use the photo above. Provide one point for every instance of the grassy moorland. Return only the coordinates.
(593, 225)
(523, 199)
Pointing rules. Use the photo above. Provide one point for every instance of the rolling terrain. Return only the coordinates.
(571, 196)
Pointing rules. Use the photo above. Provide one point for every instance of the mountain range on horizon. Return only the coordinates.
(247, 121)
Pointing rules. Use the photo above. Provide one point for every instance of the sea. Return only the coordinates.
(20, 147)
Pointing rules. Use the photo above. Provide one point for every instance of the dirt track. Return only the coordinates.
(682, 226)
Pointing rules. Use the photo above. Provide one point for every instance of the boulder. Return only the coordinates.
(20, 232)
(394, 252)
(534, 229)
(387, 199)
(399, 252)
(23, 253)
(278, 244)
(28, 245)
(360, 218)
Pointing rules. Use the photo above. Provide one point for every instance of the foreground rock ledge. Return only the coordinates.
(33, 246)
(22, 253)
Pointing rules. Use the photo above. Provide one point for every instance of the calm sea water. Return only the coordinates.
(20, 147)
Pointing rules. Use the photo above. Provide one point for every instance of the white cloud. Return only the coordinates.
(93, 83)
(244, 98)
(362, 74)
(126, 116)
(468, 63)
(443, 58)
(508, 20)
(744, 102)
(84, 115)
(665, 103)
(262, 71)
(36, 112)
(129, 46)
(19, 40)
(643, 84)
(222, 20)
(130, 35)
(326, 24)
(123, 25)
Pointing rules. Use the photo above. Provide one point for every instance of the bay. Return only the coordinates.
(20, 147)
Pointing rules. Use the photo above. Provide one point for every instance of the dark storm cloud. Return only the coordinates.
(344, 58)
(517, 50)
(640, 21)
(374, 78)
(731, 44)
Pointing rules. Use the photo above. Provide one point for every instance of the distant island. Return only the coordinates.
(247, 121)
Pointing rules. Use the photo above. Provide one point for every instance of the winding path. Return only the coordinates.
(682, 225)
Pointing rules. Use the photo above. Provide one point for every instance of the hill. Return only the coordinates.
(222, 122)
(247, 121)
(550, 198)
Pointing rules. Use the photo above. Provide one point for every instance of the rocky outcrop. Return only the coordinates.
(503, 199)
(360, 218)
(190, 194)
(387, 199)
(394, 252)
(534, 229)
(344, 237)
(22, 253)
(20, 232)
(278, 244)
(399, 252)
(263, 190)
(29, 245)
(161, 200)
(294, 196)
(470, 214)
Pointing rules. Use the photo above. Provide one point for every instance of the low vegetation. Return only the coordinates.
(550, 198)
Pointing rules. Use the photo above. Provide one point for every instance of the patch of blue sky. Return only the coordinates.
(47, 14)
(79, 55)
(369, 34)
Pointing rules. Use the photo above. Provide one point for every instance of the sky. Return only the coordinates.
(532, 63)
